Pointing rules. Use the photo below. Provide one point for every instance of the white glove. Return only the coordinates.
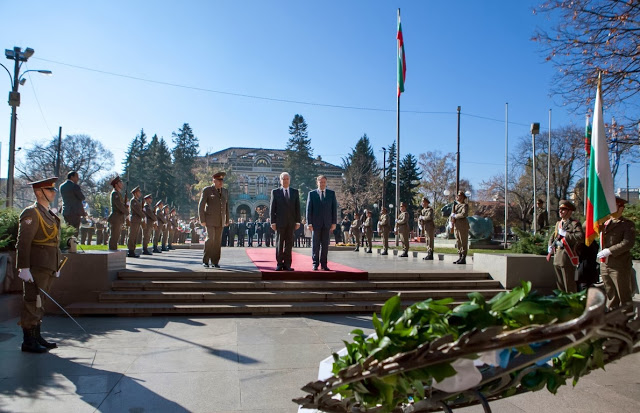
(25, 275)
(550, 249)
(604, 253)
(57, 274)
(562, 232)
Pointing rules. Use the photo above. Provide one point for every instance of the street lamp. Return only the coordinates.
(18, 56)
(535, 129)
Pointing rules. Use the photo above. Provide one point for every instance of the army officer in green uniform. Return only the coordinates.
(118, 213)
(213, 210)
(618, 237)
(38, 257)
(567, 235)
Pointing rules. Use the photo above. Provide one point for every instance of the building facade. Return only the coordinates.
(254, 172)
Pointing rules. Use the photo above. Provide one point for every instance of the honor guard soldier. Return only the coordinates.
(195, 239)
(99, 232)
(542, 220)
(159, 228)
(616, 240)
(460, 223)
(567, 235)
(402, 229)
(149, 224)
(167, 227)
(136, 218)
(384, 227)
(355, 229)
(118, 213)
(213, 211)
(368, 231)
(173, 229)
(38, 257)
(428, 227)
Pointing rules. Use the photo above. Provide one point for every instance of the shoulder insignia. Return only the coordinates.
(27, 221)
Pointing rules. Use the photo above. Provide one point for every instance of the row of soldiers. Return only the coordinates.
(246, 231)
(158, 222)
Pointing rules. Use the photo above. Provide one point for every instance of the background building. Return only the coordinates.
(254, 172)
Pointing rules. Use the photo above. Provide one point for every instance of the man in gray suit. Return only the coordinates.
(72, 197)
(322, 218)
(214, 214)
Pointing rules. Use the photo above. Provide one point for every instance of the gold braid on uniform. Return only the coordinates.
(49, 235)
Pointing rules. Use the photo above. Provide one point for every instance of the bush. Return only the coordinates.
(9, 220)
(531, 244)
(66, 232)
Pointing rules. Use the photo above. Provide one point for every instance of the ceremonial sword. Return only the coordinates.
(65, 311)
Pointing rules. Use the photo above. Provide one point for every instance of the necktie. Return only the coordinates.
(322, 197)
(286, 193)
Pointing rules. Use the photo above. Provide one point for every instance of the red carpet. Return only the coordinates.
(265, 260)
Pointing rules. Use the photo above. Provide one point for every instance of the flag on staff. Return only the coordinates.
(402, 64)
(601, 201)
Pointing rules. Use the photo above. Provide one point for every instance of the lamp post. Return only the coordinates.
(18, 56)
(535, 129)
(384, 174)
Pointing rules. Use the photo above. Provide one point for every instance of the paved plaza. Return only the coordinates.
(227, 364)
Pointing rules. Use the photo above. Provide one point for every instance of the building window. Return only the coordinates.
(243, 184)
(261, 182)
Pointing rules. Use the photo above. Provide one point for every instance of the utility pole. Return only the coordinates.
(384, 176)
(535, 129)
(458, 157)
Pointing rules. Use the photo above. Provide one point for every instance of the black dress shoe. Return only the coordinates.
(216, 265)
(325, 268)
(157, 250)
(384, 253)
(404, 255)
(369, 251)
(146, 252)
(279, 268)
(205, 265)
(315, 268)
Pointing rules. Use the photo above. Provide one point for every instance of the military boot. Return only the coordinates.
(429, 256)
(44, 343)
(155, 249)
(164, 248)
(30, 343)
(146, 252)
(384, 252)
(132, 254)
(458, 260)
(357, 248)
(463, 259)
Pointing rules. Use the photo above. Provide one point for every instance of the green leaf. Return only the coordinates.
(377, 326)
(441, 371)
(391, 310)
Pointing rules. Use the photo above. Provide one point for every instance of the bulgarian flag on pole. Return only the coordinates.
(402, 64)
(601, 201)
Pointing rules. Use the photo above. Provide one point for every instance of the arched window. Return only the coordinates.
(243, 183)
(261, 183)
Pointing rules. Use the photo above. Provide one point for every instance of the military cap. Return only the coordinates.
(193, 218)
(568, 205)
(147, 196)
(539, 201)
(115, 180)
(620, 201)
(166, 207)
(426, 199)
(173, 210)
(47, 183)
(461, 192)
(137, 188)
(403, 204)
(384, 209)
(219, 175)
(159, 203)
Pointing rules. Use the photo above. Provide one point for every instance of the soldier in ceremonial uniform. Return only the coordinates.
(99, 232)
(618, 237)
(38, 257)
(149, 223)
(195, 239)
(428, 227)
(402, 229)
(135, 221)
(542, 220)
(214, 214)
(118, 213)
(167, 227)
(173, 229)
(566, 236)
(159, 228)
(368, 231)
(460, 223)
(355, 229)
(384, 226)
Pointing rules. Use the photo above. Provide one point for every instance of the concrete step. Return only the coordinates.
(190, 275)
(217, 285)
(256, 308)
(430, 275)
(289, 296)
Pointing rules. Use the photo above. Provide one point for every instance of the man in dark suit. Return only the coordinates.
(285, 219)
(322, 218)
(251, 231)
(72, 197)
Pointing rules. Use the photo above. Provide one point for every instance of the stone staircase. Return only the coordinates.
(142, 293)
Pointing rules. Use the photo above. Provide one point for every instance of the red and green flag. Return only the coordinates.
(601, 200)
(402, 64)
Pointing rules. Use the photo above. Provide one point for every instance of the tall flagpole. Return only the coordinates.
(506, 171)
(549, 172)
(398, 133)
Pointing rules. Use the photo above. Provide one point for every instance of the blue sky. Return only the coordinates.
(476, 54)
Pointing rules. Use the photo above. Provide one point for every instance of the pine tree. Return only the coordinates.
(409, 179)
(299, 162)
(361, 185)
(390, 175)
(134, 165)
(185, 153)
(161, 182)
